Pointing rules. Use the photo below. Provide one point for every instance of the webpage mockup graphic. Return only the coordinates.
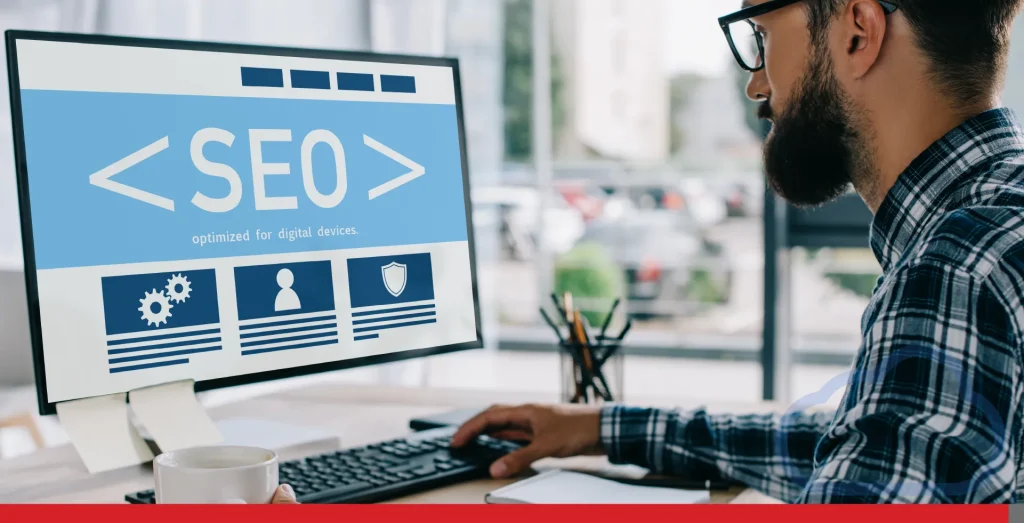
(201, 215)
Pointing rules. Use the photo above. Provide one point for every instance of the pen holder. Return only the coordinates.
(602, 386)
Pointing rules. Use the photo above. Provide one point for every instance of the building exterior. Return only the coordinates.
(616, 89)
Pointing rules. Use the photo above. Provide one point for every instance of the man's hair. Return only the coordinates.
(966, 41)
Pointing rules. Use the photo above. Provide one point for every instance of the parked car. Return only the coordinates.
(589, 200)
(516, 208)
(706, 206)
(741, 200)
(669, 267)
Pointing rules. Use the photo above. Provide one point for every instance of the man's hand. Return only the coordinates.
(284, 496)
(553, 432)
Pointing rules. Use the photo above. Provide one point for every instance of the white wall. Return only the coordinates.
(1013, 95)
(22, 15)
(619, 80)
(333, 24)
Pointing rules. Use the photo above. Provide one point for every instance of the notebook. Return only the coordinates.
(571, 488)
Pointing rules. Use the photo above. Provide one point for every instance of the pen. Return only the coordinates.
(625, 330)
(569, 309)
(617, 345)
(590, 358)
(608, 320)
(558, 305)
(558, 332)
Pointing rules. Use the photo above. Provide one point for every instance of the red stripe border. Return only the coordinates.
(504, 513)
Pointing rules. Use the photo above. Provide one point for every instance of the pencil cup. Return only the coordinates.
(600, 387)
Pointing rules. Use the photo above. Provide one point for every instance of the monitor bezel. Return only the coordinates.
(47, 407)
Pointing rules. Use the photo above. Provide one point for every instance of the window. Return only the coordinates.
(656, 191)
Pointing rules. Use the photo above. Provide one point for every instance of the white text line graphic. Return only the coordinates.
(384, 188)
(102, 177)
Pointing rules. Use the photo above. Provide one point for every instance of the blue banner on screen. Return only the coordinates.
(156, 320)
(212, 177)
(286, 306)
(268, 291)
(390, 292)
(390, 280)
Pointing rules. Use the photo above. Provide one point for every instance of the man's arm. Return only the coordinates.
(771, 453)
(931, 411)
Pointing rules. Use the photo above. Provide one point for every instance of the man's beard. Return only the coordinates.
(814, 151)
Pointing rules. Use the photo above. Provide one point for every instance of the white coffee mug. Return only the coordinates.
(216, 474)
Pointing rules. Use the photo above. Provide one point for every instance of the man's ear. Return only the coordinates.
(863, 26)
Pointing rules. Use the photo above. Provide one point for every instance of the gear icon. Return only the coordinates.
(155, 318)
(178, 288)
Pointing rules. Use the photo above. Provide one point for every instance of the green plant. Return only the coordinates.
(591, 275)
(861, 284)
(518, 83)
(704, 287)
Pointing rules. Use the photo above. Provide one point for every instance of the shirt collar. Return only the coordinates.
(931, 184)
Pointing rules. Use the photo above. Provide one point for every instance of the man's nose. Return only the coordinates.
(757, 87)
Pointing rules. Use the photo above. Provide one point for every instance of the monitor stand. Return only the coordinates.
(288, 440)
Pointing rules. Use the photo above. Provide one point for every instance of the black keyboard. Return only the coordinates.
(383, 471)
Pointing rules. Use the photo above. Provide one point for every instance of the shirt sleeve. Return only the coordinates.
(771, 453)
(929, 414)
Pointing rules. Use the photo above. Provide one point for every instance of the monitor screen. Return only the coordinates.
(231, 214)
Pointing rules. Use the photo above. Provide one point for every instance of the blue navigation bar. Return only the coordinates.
(261, 77)
(397, 84)
(355, 82)
(301, 79)
(311, 79)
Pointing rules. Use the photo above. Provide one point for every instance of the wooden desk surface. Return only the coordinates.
(358, 414)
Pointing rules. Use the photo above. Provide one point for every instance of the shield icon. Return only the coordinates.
(394, 278)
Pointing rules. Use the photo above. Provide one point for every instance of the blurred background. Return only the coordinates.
(612, 153)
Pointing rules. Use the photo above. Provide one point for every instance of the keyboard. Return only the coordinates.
(383, 471)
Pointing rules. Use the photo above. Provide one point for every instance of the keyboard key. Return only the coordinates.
(425, 470)
(405, 467)
(336, 493)
(343, 475)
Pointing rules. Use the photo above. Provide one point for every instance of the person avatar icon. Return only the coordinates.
(287, 299)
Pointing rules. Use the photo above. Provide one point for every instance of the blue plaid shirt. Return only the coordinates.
(933, 406)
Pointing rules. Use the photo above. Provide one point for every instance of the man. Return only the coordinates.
(900, 100)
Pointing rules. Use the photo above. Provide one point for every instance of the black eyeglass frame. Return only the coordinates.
(745, 14)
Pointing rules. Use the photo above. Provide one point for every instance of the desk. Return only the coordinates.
(358, 414)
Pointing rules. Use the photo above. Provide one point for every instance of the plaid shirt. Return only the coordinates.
(933, 406)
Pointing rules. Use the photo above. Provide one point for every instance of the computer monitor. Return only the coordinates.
(233, 214)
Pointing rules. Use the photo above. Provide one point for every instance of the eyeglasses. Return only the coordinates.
(746, 42)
